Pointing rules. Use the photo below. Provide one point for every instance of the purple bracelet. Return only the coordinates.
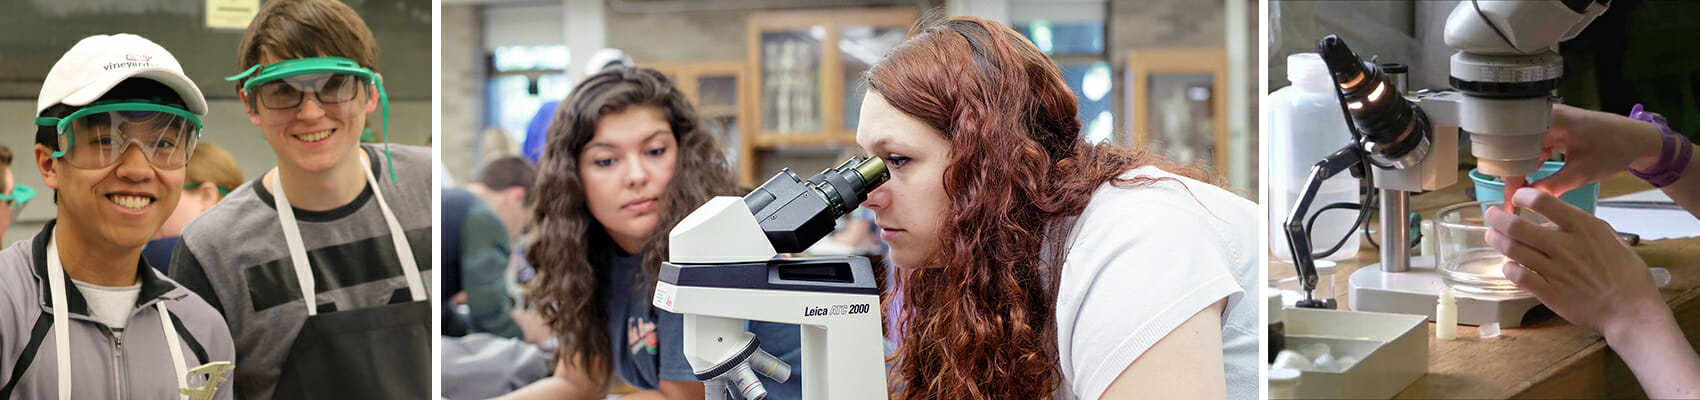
(1673, 156)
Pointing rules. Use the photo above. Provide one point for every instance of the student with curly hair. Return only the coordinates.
(1031, 264)
(626, 160)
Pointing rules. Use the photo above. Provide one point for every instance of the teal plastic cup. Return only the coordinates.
(1489, 188)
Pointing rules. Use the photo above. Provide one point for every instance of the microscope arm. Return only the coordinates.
(1298, 238)
(1517, 27)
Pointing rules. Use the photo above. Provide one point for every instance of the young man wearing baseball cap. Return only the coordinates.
(82, 315)
(320, 265)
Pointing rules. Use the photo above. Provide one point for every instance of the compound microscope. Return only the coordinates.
(723, 269)
(1504, 73)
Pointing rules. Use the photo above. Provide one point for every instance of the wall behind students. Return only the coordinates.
(1394, 30)
(716, 31)
(34, 33)
(463, 68)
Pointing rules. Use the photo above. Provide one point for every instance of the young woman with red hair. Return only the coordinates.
(1032, 264)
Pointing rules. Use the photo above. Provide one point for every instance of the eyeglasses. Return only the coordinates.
(18, 198)
(283, 85)
(287, 93)
(96, 136)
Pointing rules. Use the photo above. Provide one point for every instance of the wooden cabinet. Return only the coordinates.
(715, 88)
(1177, 100)
(805, 90)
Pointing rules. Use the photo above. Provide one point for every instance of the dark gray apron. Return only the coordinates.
(370, 353)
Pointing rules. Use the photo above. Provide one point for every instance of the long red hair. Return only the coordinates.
(981, 324)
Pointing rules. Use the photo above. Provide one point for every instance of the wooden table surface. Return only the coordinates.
(1544, 359)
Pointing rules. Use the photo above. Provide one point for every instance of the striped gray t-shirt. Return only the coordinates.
(234, 256)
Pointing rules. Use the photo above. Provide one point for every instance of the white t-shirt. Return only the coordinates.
(1143, 260)
(111, 305)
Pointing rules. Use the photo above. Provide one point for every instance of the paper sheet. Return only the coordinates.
(1650, 224)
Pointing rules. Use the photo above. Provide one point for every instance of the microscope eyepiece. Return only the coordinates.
(859, 175)
(872, 171)
(796, 213)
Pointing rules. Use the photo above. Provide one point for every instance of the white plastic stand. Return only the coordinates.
(1415, 292)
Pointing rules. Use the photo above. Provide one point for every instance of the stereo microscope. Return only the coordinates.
(1504, 73)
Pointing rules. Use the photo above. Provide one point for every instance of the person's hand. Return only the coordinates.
(1579, 269)
(1596, 145)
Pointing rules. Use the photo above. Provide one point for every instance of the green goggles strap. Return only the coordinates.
(259, 74)
(20, 194)
(63, 125)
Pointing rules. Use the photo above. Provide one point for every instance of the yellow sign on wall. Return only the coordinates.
(231, 14)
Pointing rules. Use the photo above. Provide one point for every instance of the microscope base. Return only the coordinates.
(1415, 292)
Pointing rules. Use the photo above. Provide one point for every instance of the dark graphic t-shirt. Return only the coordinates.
(649, 344)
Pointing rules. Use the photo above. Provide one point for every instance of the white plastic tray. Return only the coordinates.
(1392, 349)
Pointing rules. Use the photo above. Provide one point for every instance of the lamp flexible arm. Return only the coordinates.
(1298, 239)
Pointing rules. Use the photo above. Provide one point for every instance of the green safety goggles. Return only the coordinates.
(331, 80)
(221, 191)
(18, 198)
(96, 136)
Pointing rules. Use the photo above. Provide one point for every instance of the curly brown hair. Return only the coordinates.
(981, 325)
(568, 245)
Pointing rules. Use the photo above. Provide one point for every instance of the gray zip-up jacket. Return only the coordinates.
(133, 365)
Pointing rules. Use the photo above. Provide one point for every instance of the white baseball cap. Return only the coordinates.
(97, 63)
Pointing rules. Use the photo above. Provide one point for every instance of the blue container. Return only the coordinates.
(1489, 188)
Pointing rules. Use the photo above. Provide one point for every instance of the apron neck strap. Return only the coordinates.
(61, 322)
(180, 371)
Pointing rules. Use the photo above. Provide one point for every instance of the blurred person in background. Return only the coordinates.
(13, 196)
(212, 175)
(490, 215)
(505, 185)
(474, 251)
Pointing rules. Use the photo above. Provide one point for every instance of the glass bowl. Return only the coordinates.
(1465, 259)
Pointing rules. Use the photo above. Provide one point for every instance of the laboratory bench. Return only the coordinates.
(1548, 356)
